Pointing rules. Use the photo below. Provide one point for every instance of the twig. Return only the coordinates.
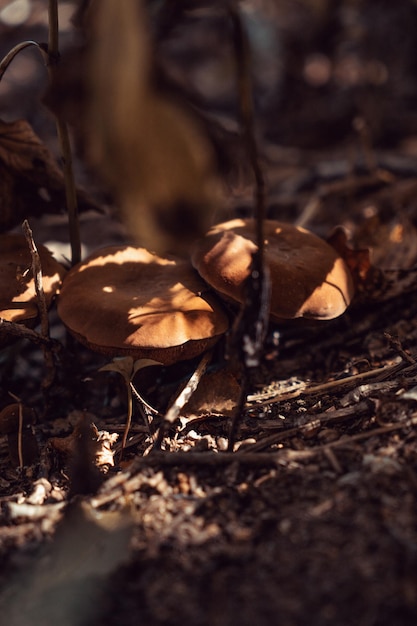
(37, 277)
(317, 421)
(309, 211)
(41, 301)
(19, 330)
(20, 436)
(219, 459)
(5, 62)
(383, 430)
(128, 481)
(63, 137)
(50, 54)
(249, 331)
(146, 410)
(19, 429)
(142, 400)
(128, 418)
(396, 344)
(380, 373)
(182, 399)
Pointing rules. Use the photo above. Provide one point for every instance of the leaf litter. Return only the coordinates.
(311, 520)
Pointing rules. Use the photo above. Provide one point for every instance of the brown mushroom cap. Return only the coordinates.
(308, 277)
(128, 301)
(17, 286)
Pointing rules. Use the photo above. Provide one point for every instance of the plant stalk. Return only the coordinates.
(63, 138)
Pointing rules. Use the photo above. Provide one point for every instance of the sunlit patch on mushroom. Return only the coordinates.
(128, 301)
(308, 277)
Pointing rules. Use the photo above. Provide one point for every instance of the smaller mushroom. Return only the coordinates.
(309, 279)
(18, 300)
(124, 301)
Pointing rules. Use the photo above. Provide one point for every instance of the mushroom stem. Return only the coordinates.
(128, 418)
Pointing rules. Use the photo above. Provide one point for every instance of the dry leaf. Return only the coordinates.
(218, 393)
(99, 443)
(358, 261)
(31, 183)
(151, 150)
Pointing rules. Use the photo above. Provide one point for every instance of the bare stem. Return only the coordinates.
(19, 330)
(5, 62)
(182, 398)
(246, 342)
(37, 277)
(63, 137)
(247, 116)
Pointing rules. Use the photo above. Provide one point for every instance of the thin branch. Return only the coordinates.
(41, 301)
(380, 373)
(317, 421)
(22, 332)
(146, 410)
(182, 398)
(37, 277)
(5, 62)
(51, 58)
(254, 459)
(243, 60)
(64, 140)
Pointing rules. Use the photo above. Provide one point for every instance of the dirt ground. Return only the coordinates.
(313, 518)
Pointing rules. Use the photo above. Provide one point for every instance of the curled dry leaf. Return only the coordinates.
(152, 152)
(31, 182)
(358, 261)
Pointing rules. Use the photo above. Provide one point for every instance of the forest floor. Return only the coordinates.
(312, 520)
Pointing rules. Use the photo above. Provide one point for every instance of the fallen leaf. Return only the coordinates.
(31, 183)
(358, 261)
(218, 393)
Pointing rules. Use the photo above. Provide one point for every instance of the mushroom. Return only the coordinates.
(308, 277)
(127, 301)
(18, 301)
